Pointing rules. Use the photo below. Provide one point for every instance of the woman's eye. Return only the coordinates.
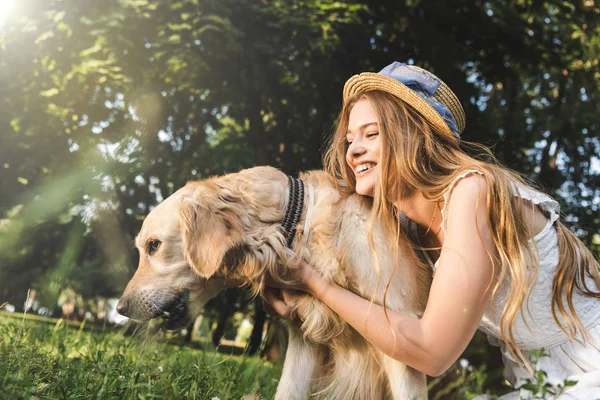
(372, 134)
(153, 245)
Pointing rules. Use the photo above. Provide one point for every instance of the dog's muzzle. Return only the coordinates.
(175, 312)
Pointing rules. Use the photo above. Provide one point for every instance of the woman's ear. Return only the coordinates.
(207, 232)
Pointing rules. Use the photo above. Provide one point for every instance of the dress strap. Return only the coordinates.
(449, 191)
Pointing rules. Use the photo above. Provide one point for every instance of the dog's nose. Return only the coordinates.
(122, 307)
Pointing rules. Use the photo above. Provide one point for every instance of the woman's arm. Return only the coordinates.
(457, 300)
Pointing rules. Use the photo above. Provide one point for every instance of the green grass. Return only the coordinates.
(43, 358)
(62, 361)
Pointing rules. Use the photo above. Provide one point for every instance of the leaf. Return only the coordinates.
(135, 3)
(179, 27)
(49, 92)
(59, 16)
(61, 26)
(174, 39)
(44, 36)
(530, 386)
(15, 124)
(540, 375)
(95, 48)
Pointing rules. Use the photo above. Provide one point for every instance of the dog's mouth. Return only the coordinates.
(175, 313)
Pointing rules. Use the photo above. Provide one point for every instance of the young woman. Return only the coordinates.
(503, 262)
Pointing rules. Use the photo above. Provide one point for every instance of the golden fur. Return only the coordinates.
(228, 228)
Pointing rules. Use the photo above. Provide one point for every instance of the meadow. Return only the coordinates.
(65, 361)
(44, 358)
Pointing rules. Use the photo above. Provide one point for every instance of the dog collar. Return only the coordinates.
(294, 209)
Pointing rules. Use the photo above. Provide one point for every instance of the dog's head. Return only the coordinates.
(207, 236)
(164, 284)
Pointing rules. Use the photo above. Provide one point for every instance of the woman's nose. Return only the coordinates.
(356, 149)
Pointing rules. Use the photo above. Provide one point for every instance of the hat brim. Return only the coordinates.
(368, 81)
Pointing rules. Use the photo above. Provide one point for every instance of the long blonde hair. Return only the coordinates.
(414, 157)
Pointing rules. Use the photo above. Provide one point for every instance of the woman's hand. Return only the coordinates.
(278, 295)
(302, 277)
(277, 302)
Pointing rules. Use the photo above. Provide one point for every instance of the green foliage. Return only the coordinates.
(127, 100)
(539, 386)
(45, 361)
(459, 383)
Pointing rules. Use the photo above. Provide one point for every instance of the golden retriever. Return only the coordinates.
(226, 231)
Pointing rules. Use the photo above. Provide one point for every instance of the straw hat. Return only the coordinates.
(418, 88)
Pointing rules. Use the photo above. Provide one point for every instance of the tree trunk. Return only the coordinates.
(549, 174)
(257, 330)
(219, 331)
(511, 125)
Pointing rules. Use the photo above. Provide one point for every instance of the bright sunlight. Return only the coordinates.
(7, 8)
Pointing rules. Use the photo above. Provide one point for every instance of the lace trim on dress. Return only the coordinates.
(545, 202)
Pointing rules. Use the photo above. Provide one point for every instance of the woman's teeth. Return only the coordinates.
(363, 167)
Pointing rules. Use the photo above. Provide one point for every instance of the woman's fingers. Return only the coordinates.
(274, 304)
(287, 296)
(271, 294)
(269, 309)
(278, 302)
(290, 278)
(272, 283)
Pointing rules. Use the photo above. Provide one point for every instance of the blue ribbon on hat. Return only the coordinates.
(425, 85)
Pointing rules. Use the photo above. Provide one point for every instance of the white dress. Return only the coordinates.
(572, 360)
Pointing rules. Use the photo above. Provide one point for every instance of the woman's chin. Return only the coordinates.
(365, 190)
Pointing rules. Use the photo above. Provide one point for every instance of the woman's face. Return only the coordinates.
(364, 146)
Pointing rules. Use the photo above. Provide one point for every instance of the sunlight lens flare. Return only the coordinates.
(7, 8)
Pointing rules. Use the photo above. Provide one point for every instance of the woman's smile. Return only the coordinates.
(362, 171)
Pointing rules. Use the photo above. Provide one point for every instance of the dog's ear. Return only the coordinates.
(208, 231)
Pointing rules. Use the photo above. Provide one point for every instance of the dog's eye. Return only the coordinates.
(153, 245)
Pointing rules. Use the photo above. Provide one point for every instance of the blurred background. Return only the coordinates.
(107, 107)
